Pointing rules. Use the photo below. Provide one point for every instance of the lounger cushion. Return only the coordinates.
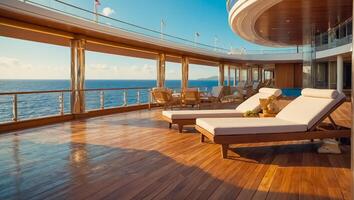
(252, 103)
(272, 91)
(193, 114)
(233, 126)
(320, 93)
(308, 110)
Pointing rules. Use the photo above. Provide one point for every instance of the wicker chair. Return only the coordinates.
(191, 96)
(164, 97)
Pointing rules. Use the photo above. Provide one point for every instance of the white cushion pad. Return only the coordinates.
(308, 110)
(272, 91)
(320, 93)
(252, 103)
(193, 114)
(238, 126)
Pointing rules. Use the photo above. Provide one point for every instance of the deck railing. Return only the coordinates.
(16, 106)
(335, 37)
(19, 106)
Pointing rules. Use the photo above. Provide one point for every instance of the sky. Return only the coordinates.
(183, 18)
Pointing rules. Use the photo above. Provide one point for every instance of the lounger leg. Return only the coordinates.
(180, 128)
(224, 148)
(202, 138)
(170, 125)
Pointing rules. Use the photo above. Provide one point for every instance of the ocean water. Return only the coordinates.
(39, 105)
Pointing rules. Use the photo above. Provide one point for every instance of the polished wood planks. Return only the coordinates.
(135, 156)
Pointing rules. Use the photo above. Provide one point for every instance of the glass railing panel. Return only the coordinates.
(335, 37)
(230, 4)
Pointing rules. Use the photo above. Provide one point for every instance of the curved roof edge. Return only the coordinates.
(243, 16)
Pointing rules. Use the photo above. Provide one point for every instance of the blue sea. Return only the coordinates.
(39, 105)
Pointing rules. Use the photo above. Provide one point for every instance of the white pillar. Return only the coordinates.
(340, 73)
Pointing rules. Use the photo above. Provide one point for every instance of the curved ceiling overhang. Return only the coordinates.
(286, 22)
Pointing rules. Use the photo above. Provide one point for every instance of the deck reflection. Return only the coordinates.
(134, 156)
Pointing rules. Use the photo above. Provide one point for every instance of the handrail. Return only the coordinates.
(330, 38)
(57, 91)
(132, 88)
(33, 92)
(17, 108)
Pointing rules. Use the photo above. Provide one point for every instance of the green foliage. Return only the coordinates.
(250, 113)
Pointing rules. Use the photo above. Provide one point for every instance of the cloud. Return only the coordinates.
(12, 68)
(107, 11)
(8, 62)
(105, 71)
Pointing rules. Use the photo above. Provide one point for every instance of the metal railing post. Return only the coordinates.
(102, 100)
(150, 98)
(14, 108)
(138, 96)
(124, 97)
(61, 103)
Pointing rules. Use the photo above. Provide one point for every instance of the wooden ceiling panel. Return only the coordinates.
(291, 21)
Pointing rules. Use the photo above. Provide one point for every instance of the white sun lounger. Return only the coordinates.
(299, 120)
(188, 117)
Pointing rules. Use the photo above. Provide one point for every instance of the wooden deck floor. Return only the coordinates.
(136, 156)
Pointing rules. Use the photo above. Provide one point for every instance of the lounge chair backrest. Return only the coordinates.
(256, 85)
(191, 96)
(311, 106)
(252, 103)
(217, 91)
(241, 84)
(233, 89)
(162, 95)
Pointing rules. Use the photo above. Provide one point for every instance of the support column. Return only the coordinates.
(340, 73)
(161, 70)
(77, 76)
(185, 72)
(239, 74)
(229, 75)
(221, 74)
(260, 75)
(235, 76)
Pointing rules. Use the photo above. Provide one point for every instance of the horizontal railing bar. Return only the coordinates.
(106, 89)
(90, 90)
(34, 92)
(86, 90)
